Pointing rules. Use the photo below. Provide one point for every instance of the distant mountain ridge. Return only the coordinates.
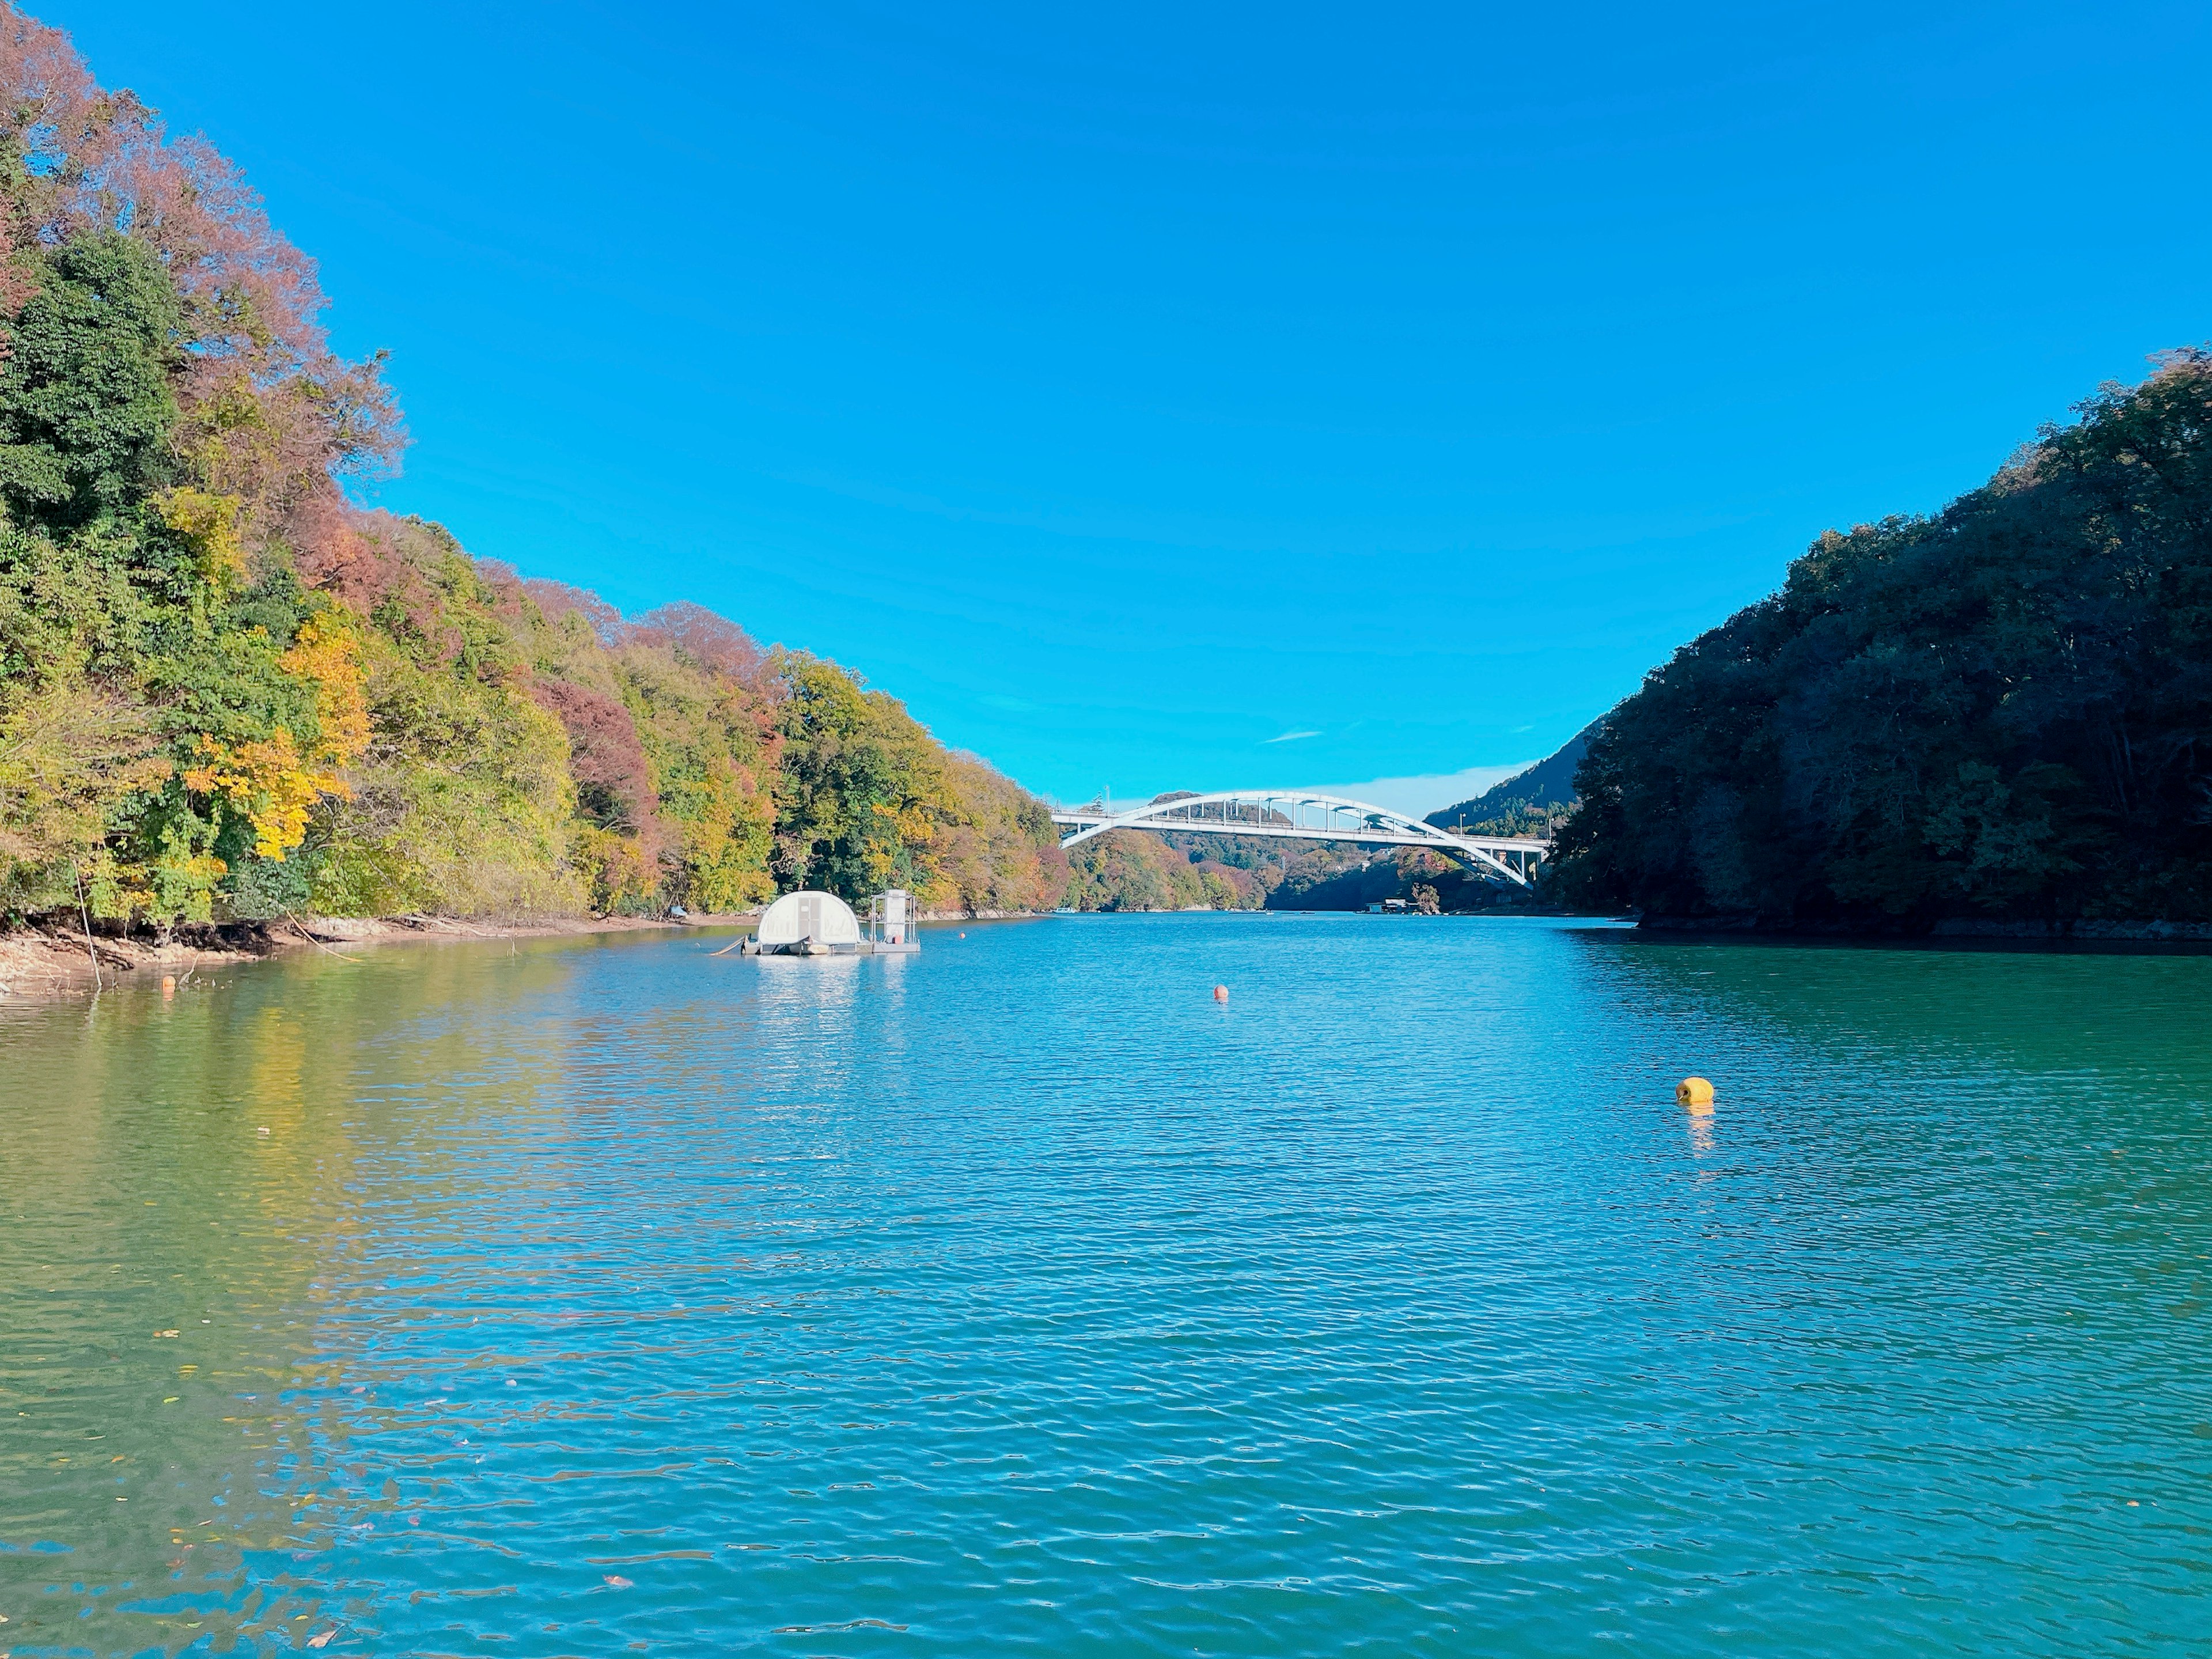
(1549, 784)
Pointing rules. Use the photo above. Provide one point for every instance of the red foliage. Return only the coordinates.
(94, 161)
(606, 758)
(557, 599)
(715, 644)
(331, 552)
(369, 561)
(510, 597)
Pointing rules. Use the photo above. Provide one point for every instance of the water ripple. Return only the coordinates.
(599, 1296)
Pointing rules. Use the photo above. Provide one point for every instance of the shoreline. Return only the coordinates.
(45, 963)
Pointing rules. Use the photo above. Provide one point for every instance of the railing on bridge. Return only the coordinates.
(1302, 815)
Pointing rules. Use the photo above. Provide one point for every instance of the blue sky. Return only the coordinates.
(1194, 398)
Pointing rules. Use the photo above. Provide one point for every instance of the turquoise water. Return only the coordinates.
(592, 1297)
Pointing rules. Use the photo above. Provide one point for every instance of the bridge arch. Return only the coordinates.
(1290, 815)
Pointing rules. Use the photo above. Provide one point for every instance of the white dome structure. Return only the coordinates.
(806, 918)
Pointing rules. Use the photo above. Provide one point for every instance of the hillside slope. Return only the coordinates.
(228, 693)
(2001, 713)
(1525, 803)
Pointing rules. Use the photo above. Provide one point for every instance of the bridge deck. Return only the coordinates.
(1365, 838)
(1308, 815)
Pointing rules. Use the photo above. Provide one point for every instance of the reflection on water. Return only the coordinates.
(570, 1297)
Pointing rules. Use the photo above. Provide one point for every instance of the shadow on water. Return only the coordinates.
(2134, 1013)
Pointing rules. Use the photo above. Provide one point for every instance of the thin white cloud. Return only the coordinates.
(1291, 736)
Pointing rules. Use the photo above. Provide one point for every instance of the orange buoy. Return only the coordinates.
(168, 985)
(1695, 1093)
(1221, 994)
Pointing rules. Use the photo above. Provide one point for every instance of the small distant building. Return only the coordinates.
(891, 922)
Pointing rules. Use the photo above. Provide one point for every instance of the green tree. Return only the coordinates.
(2004, 710)
(86, 404)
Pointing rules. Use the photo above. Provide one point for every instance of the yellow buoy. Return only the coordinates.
(1695, 1093)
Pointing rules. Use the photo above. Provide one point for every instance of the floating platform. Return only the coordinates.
(808, 923)
(867, 947)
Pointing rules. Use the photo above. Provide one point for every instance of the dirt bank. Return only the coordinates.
(51, 959)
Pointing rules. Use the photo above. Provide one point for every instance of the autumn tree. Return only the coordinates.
(229, 692)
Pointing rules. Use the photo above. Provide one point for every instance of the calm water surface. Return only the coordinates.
(595, 1297)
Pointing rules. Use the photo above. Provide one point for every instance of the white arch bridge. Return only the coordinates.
(1297, 815)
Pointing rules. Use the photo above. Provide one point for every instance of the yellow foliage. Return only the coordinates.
(196, 875)
(70, 753)
(229, 438)
(725, 823)
(326, 652)
(213, 525)
(894, 828)
(269, 783)
(621, 872)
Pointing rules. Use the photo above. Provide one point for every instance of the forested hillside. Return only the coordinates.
(2003, 711)
(1138, 870)
(227, 693)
